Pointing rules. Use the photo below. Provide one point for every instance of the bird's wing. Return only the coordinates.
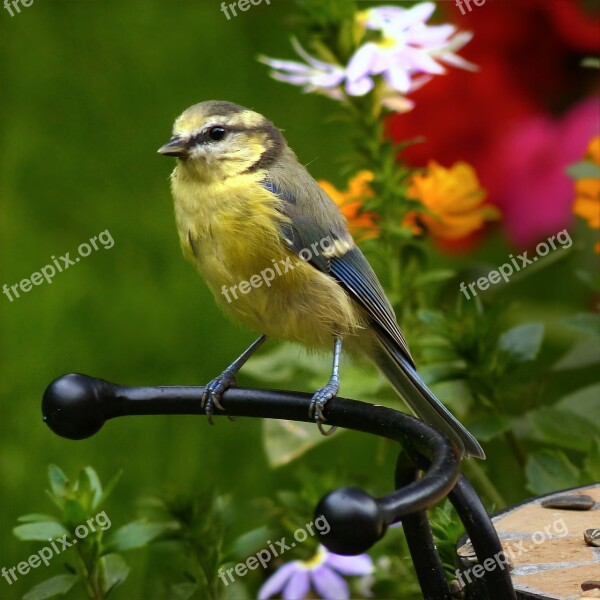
(313, 219)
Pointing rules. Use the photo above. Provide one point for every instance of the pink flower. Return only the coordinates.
(528, 171)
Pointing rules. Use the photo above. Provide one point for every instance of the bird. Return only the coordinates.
(277, 255)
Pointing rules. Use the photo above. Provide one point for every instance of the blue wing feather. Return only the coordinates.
(350, 269)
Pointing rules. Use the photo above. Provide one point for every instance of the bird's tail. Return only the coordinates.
(392, 362)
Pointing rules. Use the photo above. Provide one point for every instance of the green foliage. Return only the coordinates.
(196, 529)
(190, 529)
(446, 529)
(55, 586)
(550, 470)
(79, 531)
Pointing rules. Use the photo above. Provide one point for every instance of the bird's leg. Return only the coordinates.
(211, 396)
(323, 395)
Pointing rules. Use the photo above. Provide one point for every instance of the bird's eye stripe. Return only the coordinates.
(213, 134)
(204, 136)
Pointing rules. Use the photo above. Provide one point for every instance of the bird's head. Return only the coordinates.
(217, 139)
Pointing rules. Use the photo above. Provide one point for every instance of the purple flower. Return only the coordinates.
(294, 579)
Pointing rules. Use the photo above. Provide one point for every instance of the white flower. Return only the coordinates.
(407, 48)
(314, 76)
(405, 56)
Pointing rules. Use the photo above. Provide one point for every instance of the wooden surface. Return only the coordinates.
(546, 546)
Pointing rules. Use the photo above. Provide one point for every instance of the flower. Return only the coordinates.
(453, 199)
(293, 580)
(527, 173)
(487, 119)
(362, 224)
(315, 76)
(407, 48)
(404, 55)
(587, 191)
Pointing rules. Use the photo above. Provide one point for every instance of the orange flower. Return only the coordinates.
(454, 200)
(587, 191)
(362, 225)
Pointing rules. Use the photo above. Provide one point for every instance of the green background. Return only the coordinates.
(89, 92)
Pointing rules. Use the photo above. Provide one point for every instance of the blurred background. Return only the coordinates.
(90, 91)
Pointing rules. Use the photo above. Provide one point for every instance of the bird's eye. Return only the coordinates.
(216, 133)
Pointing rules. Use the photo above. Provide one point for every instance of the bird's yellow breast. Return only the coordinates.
(231, 231)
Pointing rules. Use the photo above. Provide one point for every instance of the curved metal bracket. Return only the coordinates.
(76, 406)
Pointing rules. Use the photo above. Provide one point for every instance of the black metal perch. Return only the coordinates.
(76, 406)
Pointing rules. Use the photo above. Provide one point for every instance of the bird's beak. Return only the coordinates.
(174, 147)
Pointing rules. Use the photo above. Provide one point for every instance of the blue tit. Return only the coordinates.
(276, 254)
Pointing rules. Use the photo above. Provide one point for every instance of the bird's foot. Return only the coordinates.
(213, 392)
(318, 402)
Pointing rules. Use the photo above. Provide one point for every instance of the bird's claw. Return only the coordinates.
(318, 402)
(213, 392)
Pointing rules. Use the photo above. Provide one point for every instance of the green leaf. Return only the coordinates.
(89, 488)
(523, 342)
(490, 426)
(362, 383)
(138, 534)
(435, 276)
(281, 364)
(40, 531)
(36, 518)
(563, 428)
(432, 318)
(584, 353)
(114, 571)
(443, 371)
(584, 402)
(55, 586)
(75, 513)
(586, 322)
(550, 471)
(236, 591)
(249, 542)
(592, 462)
(183, 591)
(456, 395)
(58, 481)
(588, 280)
(109, 488)
(583, 170)
(286, 440)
